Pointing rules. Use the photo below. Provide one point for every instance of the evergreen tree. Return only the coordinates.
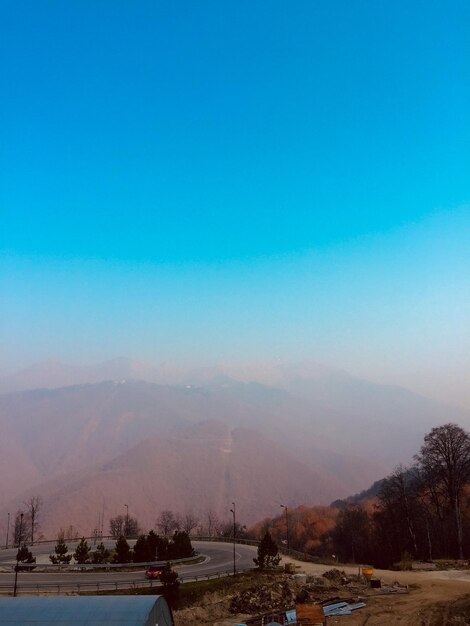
(268, 553)
(25, 556)
(100, 555)
(82, 552)
(163, 547)
(123, 551)
(170, 582)
(153, 541)
(142, 550)
(180, 546)
(169, 577)
(61, 557)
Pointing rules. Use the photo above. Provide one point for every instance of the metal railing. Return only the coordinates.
(114, 585)
(82, 567)
(295, 554)
(103, 586)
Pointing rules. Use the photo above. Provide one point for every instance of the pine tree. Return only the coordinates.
(153, 541)
(25, 556)
(82, 552)
(170, 582)
(268, 553)
(100, 555)
(123, 551)
(169, 577)
(163, 548)
(142, 550)
(180, 546)
(61, 556)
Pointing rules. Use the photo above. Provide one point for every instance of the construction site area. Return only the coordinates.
(308, 594)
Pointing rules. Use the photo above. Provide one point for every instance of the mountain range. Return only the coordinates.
(89, 439)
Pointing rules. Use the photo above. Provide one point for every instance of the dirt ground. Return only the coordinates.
(434, 599)
(441, 603)
(431, 601)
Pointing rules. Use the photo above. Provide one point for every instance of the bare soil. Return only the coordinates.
(438, 598)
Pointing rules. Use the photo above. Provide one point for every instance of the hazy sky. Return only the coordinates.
(236, 181)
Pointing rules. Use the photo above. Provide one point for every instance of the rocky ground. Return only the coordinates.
(430, 601)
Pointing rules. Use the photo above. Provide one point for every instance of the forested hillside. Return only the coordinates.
(417, 512)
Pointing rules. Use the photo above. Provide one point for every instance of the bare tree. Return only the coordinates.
(445, 462)
(189, 522)
(214, 524)
(70, 533)
(116, 526)
(123, 526)
(33, 506)
(227, 528)
(21, 533)
(399, 493)
(167, 522)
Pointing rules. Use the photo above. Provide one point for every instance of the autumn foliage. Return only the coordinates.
(421, 512)
(309, 528)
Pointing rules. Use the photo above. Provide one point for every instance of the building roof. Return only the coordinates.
(86, 611)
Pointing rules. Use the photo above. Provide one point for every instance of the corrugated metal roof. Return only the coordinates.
(86, 611)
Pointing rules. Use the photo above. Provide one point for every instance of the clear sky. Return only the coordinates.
(234, 181)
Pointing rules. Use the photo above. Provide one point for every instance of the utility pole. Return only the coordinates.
(234, 537)
(8, 530)
(17, 554)
(126, 533)
(283, 506)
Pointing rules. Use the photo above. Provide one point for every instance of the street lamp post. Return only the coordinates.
(234, 537)
(127, 520)
(20, 539)
(283, 506)
(8, 530)
(17, 555)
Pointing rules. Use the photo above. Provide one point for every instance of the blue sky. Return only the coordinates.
(238, 181)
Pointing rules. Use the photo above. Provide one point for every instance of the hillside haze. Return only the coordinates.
(258, 435)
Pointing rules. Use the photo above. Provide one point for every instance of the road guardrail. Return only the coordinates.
(103, 586)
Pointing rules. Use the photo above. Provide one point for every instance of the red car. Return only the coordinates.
(154, 571)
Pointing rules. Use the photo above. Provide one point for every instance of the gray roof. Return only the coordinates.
(86, 611)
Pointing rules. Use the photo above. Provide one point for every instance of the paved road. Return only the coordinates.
(219, 558)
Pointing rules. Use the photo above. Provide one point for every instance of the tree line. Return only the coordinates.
(27, 525)
(147, 548)
(417, 512)
(420, 512)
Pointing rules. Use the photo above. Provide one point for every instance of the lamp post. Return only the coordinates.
(17, 555)
(127, 520)
(283, 506)
(8, 530)
(21, 530)
(234, 529)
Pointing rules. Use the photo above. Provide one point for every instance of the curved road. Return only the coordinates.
(219, 558)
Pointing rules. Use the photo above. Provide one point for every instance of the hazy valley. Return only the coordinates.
(259, 435)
